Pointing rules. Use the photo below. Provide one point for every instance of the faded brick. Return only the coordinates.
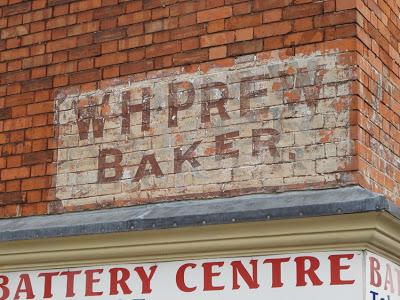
(37, 84)
(136, 67)
(18, 8)
(40, 157)
(85, 76)
(85, 51)
(12, 198)
(110, 35)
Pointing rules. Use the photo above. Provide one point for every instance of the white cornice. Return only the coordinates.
(374, 231)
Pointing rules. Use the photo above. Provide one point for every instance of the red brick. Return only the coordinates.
(14, 161)
(303, 24)
(36, 84)
(7, 33)
(246, 47)
(111, 59)
(188, 7)
(63, 68)
(110, 72)
(14, 54)
(5, 113)
(214, 14)
(137, 17)
(110, 35)
(19, 123)
(189, 57)
(10, 77)
(36, 183)
(245, 34)
(302, 38)
(345, 4)
(12, 198)
(37, 15)
(12, 185)
(243, 21)
(39, 133)
(61, 21)
(273, 29)
(339, 18)
(36, 61)
(163, 49)
(33, 196)
(37, 158)
(134, 42)
(40, 108)
(20, 99)
(59, 2)
(63, 44)
(217, 39)
(78, 6)
(149, 4)
(18, 8)
(83, 28)
(108, 11)
(85, 76)
(242, 8)
(195, 30)
(134, 5)
(36, 38)
(270, 4)
(136, 67)
(218, 52)
(305, 10)
(15, 173)
(85, 51)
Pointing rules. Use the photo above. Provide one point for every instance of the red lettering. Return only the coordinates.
(270, 143)
(375, 276)
(336, 268)
(48, 280)
(116, 281)
(146, 279)
(90, 280)
(251, 280)
(389, 279)
(24, 286)
(276, 264)
(142, 169)
(103, 165)
(207, 103)
(174, 107)
(223, 149)
(180, 278)
(128, 109)
(5, 292)
(248, 91)
(180, 158)
(70, 282)
(209, 274)
(302, 271)
(87, 112)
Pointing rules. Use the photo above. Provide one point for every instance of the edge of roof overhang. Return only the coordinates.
(348, 218)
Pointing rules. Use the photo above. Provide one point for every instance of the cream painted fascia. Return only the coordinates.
(378, 232)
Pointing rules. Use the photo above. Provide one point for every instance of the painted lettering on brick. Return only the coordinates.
(256, 125)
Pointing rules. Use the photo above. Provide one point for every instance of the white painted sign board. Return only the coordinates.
(349, 275)
(382, 278)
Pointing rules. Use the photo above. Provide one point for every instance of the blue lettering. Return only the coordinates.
(374, 294)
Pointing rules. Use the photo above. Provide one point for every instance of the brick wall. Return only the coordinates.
(376, 113)
(329, 115)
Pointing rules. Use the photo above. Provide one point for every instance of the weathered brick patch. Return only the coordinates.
(261, 125)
